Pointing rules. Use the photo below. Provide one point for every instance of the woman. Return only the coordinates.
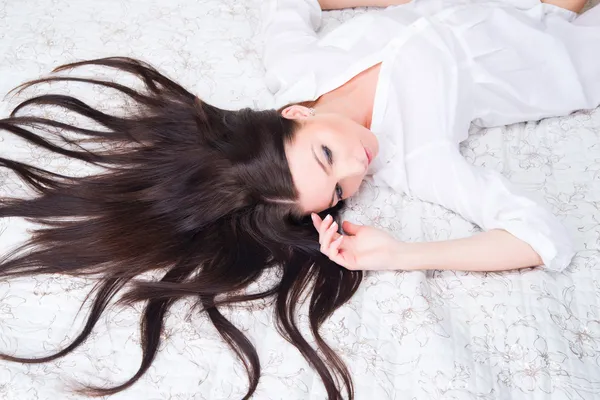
(207, 199)
(416, 76)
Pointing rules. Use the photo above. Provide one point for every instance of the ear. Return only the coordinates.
(295, 112)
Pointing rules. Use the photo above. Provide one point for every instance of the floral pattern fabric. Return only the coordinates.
(527, 334)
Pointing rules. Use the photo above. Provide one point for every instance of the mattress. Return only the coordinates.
(526, 334)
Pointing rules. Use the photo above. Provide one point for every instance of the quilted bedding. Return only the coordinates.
(526, 334)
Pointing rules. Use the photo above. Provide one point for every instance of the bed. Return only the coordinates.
(527, 334)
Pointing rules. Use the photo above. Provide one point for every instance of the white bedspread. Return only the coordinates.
(527, 334)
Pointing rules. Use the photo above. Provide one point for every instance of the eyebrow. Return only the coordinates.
(324, 170)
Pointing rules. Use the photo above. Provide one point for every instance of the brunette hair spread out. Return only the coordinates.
(199, 195)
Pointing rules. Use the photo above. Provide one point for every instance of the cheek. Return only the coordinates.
(350, 141)
(352, 186)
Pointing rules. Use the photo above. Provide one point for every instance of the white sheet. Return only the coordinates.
(437, 335)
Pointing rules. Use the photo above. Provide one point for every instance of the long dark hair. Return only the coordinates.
(200, 194)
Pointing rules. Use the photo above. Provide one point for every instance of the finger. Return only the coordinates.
(350, 228)
(336, 253)
(345, 253)
(324, 226)
(328, 237)
(316, 220)
(334, 250)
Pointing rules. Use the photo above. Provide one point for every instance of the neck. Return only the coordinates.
(354, 99)
(348, 105)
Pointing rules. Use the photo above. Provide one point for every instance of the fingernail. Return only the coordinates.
(312, 216)
(328, 217)
(333, 225)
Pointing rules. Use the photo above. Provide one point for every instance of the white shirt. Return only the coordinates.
(442, 68)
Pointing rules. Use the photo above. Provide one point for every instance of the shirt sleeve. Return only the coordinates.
(433, 95)
(289, 30)
(440, 174)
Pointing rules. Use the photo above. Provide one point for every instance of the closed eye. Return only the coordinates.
(328, 154)
(339, 192)
(329, 157)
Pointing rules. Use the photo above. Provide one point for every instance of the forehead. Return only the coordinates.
(311, 182)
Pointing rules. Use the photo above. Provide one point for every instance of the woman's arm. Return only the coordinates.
(441, 175)
(436, 109)
(368, 248)
(339, 4)
(571, 5)
(495, 250)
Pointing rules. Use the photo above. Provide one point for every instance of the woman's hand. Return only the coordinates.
(362, 248)
(368, 248)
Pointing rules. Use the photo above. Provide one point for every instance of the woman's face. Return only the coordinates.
(328, 157)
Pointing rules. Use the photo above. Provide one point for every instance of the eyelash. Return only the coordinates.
(329, 155)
